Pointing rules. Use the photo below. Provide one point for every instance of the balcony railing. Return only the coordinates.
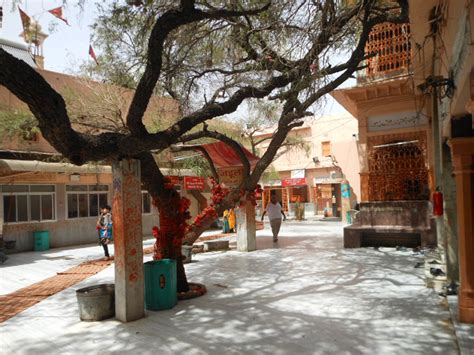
(390, 44)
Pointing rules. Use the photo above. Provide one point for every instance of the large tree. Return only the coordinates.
(211, 56)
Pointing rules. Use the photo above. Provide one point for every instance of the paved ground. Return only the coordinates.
(304, 295)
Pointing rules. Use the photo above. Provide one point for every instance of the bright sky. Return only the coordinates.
(68, 46)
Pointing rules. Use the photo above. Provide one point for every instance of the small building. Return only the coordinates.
(321, 172)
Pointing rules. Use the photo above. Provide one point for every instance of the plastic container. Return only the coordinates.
(41, 240)
(96, 302)
(160, 284)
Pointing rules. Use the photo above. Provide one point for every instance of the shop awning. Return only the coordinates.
(224, 156)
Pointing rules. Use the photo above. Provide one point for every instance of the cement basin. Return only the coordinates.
(96, 302)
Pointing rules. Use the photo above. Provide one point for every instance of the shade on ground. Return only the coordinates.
(305, 295)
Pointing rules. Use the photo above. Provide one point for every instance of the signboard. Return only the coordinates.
(231, 176)
(272, 183)
(345, 191)
(174, 179)
(194, 183)
(297, 174)
(293, 182)
(395, 121)
(326, 180)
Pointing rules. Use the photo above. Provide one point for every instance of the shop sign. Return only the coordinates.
(272, 183)
(345, 191)
(297, 174)
(231, 176)
(395, 121)
(326, 180)
(194, 183)
(293, 182)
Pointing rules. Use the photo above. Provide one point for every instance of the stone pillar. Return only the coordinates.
(128, 245)
(462, 150)
(246, 232)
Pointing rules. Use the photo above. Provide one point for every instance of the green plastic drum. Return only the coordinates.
(160, 284)
(41, 240)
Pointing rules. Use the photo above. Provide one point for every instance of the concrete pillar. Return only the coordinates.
(128, 245)
(462, 150)
(246, 232)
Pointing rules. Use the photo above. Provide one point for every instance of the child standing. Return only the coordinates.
(104, 228)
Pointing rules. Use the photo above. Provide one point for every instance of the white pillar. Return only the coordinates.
(246, 231)
(128, 245)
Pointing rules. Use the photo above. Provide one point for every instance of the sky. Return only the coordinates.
(68, 46)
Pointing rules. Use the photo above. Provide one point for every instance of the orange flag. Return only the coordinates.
(25, 20)
(58, 12)
(92, 54)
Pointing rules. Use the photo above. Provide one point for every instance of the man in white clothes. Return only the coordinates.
(275, 212)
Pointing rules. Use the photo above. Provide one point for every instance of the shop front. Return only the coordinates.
(328, 197)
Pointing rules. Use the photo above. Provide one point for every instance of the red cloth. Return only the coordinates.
(224, 156)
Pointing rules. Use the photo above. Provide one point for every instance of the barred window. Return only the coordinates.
(85, 200)
(28, 203)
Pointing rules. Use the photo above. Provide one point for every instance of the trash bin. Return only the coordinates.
(41, 240)
(160, 284)
(96, 302)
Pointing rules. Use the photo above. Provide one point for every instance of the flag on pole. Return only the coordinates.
(92, 54)
(25, 20)
(58, 12)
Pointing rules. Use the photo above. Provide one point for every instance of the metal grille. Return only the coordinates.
(391, 44)
(397, 167)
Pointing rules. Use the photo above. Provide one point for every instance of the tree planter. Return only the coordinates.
(96, 302)
(160, 284)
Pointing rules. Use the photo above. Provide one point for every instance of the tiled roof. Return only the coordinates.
(19, 51)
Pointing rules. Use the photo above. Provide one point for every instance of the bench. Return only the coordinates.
(390, 224)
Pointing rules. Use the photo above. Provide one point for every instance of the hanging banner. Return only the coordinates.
(194, 183)
(293, 182)
(231, 176)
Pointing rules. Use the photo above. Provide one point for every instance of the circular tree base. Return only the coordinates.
(195, 290)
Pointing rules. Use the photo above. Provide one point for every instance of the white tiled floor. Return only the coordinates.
(304, 295)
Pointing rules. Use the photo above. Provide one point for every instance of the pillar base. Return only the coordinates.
(466, 307)
(246, 231)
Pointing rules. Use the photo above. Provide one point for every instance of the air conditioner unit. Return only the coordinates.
(335, 175)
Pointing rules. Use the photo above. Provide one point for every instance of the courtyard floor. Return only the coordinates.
(304, 294)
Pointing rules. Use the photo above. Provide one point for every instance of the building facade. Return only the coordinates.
(322, 173)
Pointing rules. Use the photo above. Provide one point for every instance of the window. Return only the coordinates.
(326, 148)
(28, 203)
(85, 200)
(146, 202)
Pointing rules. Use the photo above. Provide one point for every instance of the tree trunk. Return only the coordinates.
(171, 235)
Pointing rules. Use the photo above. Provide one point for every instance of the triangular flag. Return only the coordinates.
(92, 54)
(58, 12)
(25, 20)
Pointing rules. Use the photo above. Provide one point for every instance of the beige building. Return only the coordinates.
(325, 175)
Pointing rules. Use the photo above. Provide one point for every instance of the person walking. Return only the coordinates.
(275, 212)
(104, 228)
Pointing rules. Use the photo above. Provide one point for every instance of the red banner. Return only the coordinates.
(293, 182)
(194, 183)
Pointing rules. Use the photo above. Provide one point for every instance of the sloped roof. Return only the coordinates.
(19, 51)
